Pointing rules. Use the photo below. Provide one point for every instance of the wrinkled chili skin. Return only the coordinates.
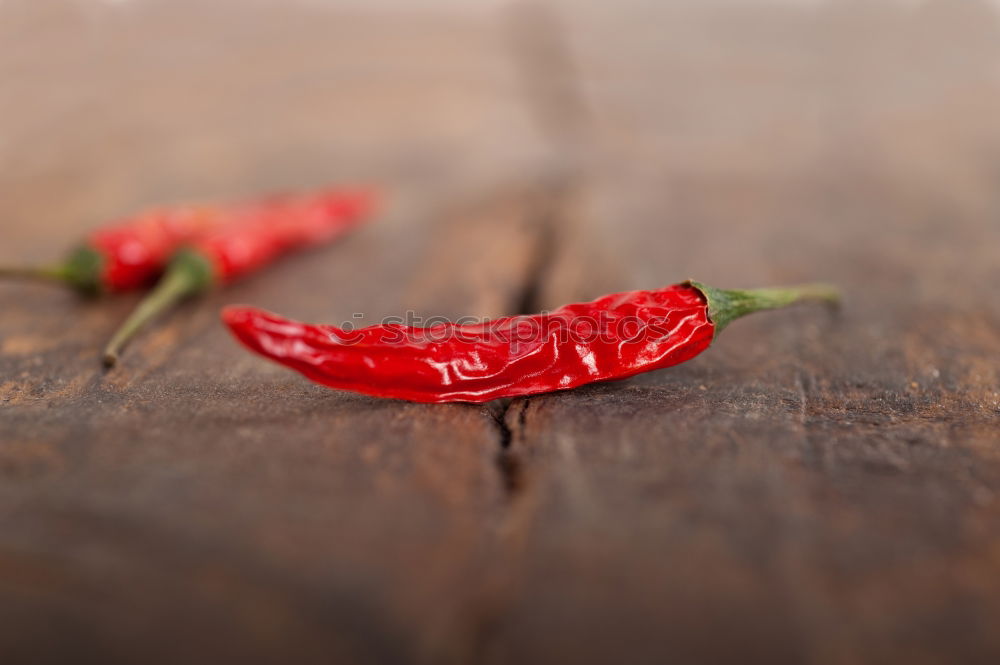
(256, 236)
(637, 331)
(134, 252)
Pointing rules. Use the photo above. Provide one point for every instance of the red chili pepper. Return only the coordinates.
(252, 237)
(129, 254)
(614, 337)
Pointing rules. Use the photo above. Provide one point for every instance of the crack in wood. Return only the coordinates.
(546, 216)
(490, 605)
(509, 461)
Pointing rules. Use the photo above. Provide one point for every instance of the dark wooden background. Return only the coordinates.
(811, 490)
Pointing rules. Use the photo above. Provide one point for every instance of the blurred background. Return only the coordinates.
(700, 109)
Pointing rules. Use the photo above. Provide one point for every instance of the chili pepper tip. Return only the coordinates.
(110, 359)
(234, 313)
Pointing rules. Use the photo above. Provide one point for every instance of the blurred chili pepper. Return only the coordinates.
(129, 254)
(252, 237)
(614, 337)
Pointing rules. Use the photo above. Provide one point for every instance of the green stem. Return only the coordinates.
(726, 305)
(189, 274)
(82, 270)
(41, 273)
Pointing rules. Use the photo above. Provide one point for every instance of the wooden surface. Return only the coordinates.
(811, 490)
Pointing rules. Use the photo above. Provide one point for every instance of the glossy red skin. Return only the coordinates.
(257, 235)
(136, 251)
(467, 363)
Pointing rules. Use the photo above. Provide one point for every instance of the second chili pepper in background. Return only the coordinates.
(252, 238)
(130, 253)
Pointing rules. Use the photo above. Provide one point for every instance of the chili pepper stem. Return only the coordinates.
(189, 274)
(726, 305)
(82, 271)
(43, 273)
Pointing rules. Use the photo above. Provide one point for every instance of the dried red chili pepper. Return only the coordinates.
(614, 337)
(130, 253)
(252, 237)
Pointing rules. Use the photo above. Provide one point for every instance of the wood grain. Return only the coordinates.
(814, 489)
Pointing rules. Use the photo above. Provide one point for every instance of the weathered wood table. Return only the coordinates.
(814, 489)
